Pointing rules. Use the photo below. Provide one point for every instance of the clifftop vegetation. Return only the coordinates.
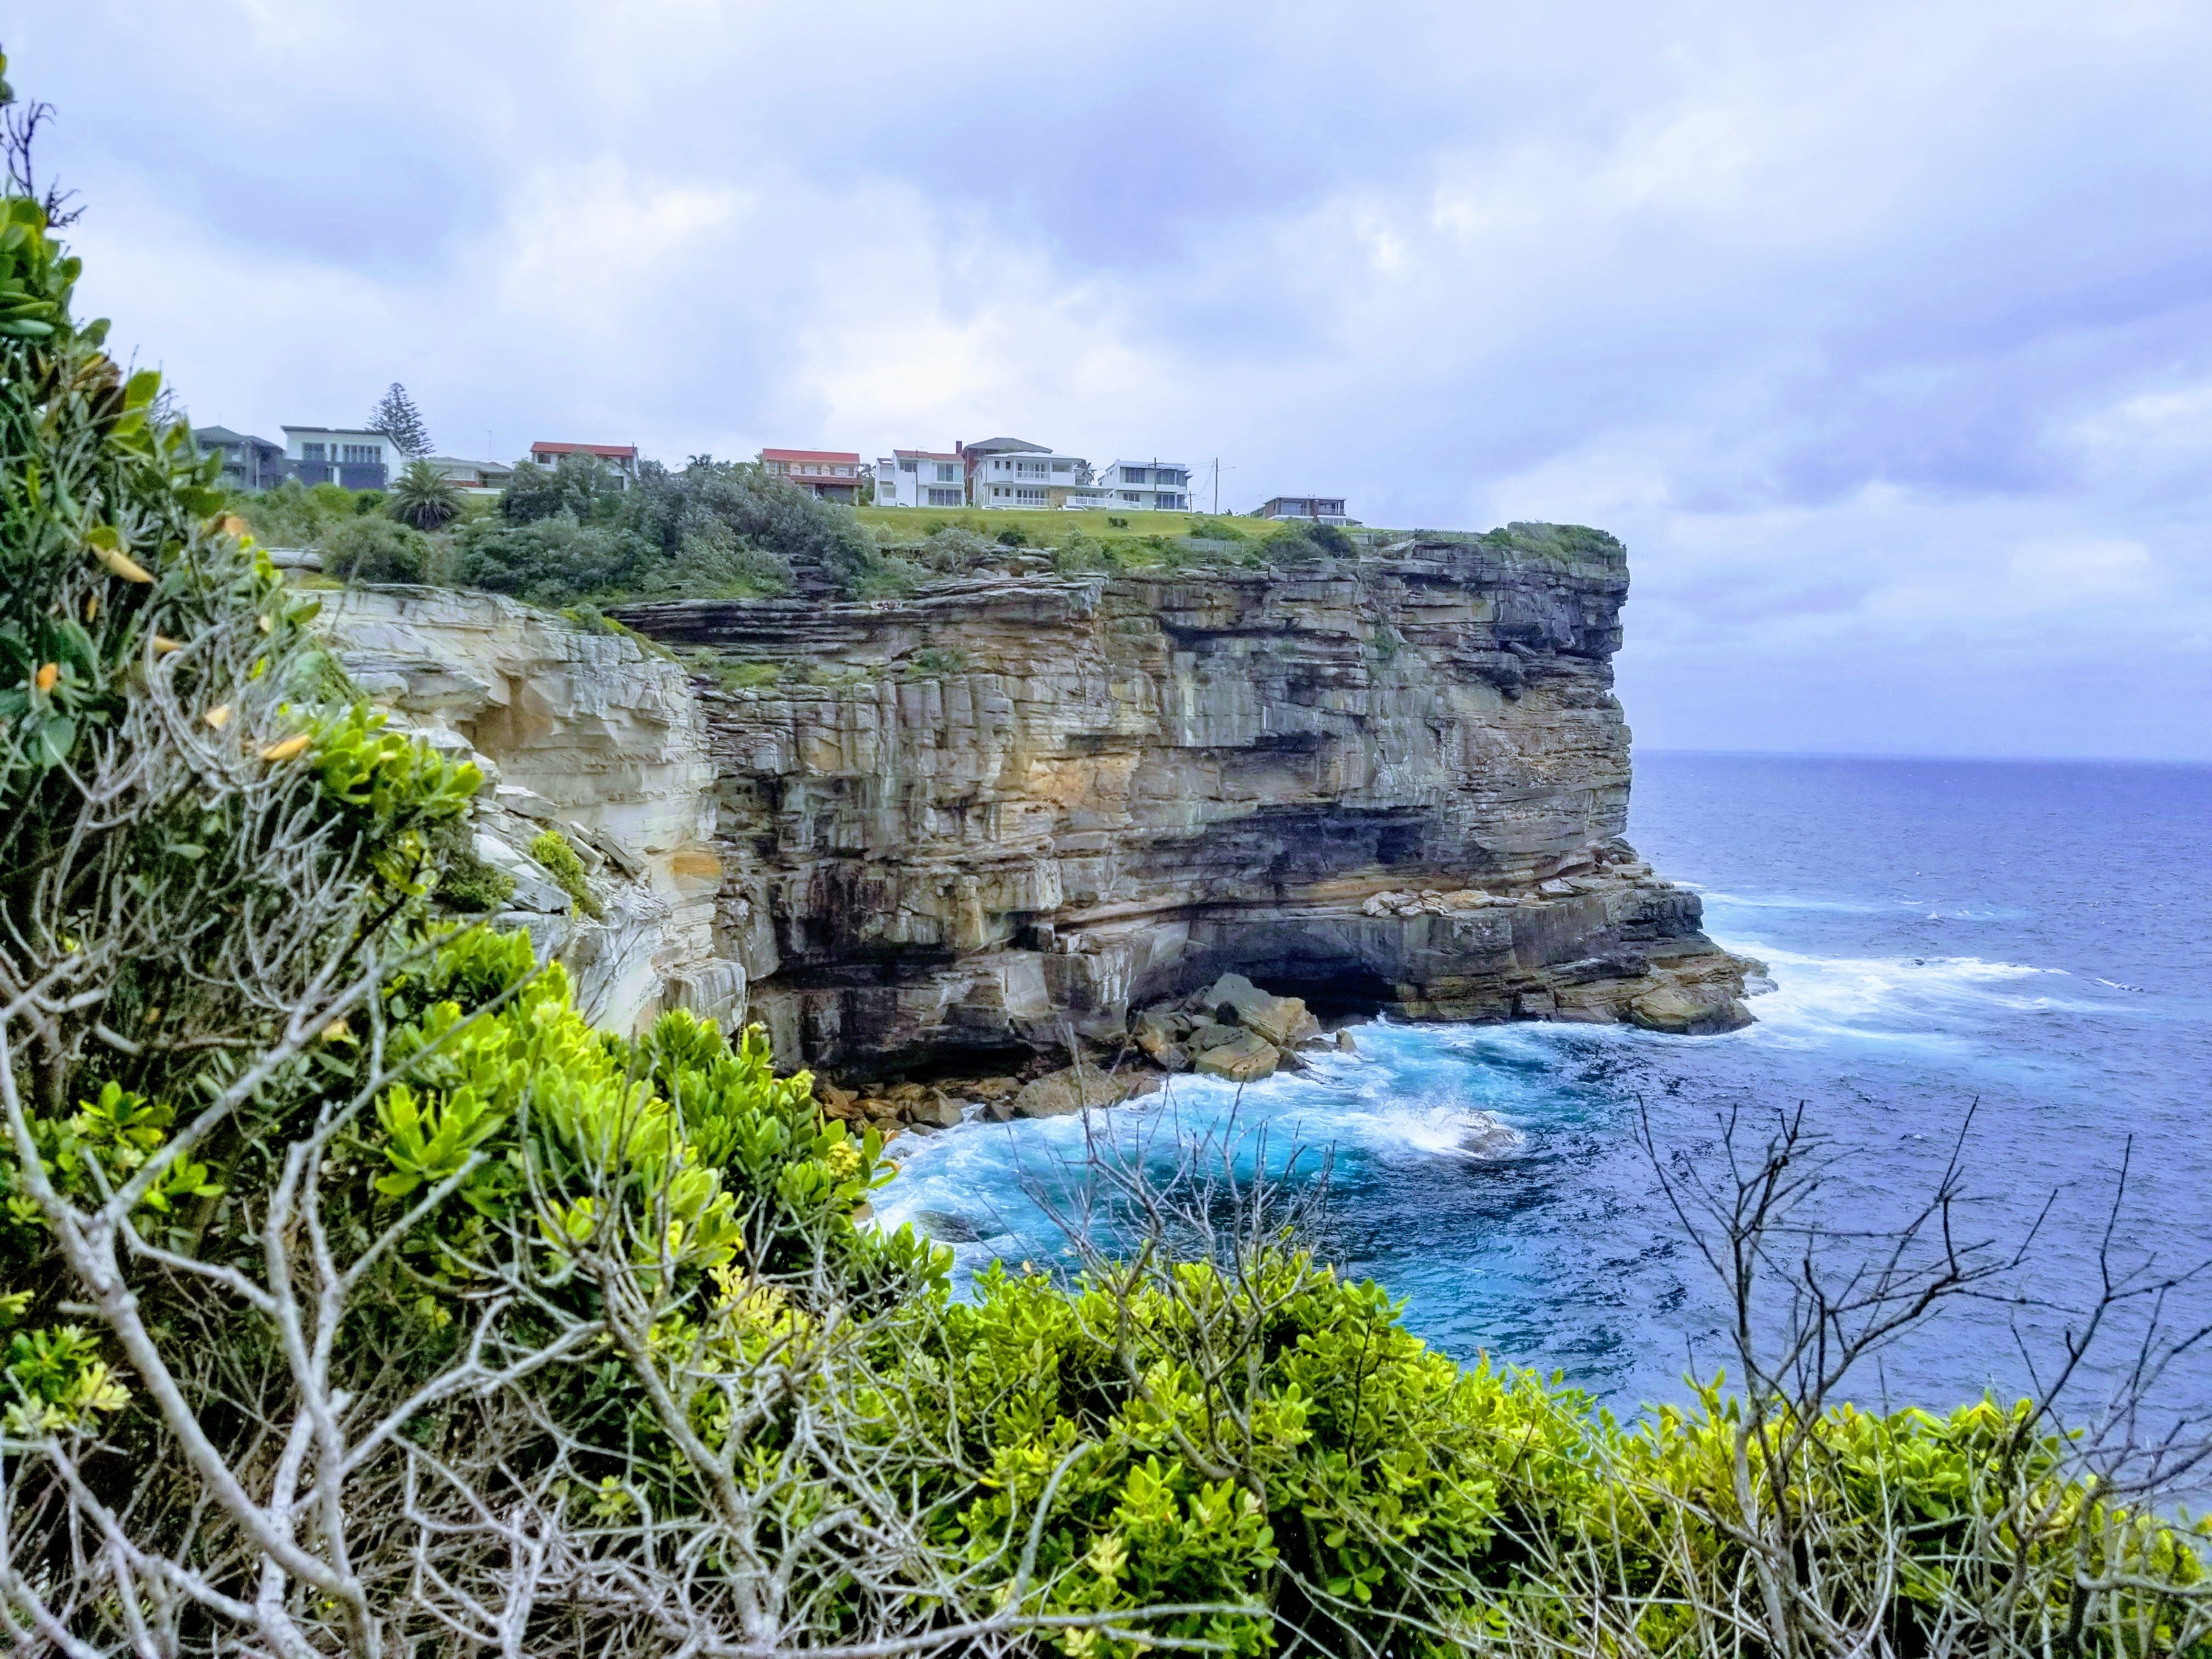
(564, 535)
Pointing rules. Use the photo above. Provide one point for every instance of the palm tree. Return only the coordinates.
(425, 497)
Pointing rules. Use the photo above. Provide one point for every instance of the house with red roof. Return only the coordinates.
(621, 460)
(832, 474)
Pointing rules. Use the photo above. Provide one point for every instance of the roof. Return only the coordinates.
(618, 451)
(926, 455)
(850, 457)
(1001, 445)
(340, 431)
(223, 435)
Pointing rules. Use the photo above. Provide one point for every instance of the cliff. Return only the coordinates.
(1011, 807)
(585, 731)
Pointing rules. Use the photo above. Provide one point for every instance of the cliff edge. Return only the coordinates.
(1009, 808)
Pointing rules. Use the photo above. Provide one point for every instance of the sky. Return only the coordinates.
(1881, 333)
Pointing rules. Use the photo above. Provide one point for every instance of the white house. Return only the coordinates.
(1147, 486)
(1010, 472)
(342, 455)
(920, 478)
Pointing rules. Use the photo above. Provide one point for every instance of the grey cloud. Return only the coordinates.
(1851, 322)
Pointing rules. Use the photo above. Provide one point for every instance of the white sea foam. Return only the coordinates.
(1716, 898)
(1907, 999)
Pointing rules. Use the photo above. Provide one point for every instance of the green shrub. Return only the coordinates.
(552, 562)
(377, 549)
(952, 549)
(551, 848)
(468, 884)
(934, 662)
(291, 514)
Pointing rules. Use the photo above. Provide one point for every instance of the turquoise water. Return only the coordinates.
(2027, 941)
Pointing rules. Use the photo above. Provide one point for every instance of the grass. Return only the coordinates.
(1042, 526)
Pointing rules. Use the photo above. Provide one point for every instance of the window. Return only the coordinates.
(1132, 475)
(356, 453)
(311, 451)
(944, 497)
(1063, 466)
(907, 465)
(946, 474)
(1029, 497)
(1132, 496)
(1030, 469)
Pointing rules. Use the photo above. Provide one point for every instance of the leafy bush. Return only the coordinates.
(292, 514)
(552, 849)
(954, 550)
(551, 561)
(576, 485)
(468, 884)
(377, 549)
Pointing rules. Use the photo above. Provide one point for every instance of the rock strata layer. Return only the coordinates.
(997, 816)
(584, 731)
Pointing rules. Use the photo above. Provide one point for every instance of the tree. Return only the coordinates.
(425, 497)
(397, 419)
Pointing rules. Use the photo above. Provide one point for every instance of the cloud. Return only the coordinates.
(1880, 333)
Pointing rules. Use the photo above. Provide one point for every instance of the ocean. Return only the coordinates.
(2018, 950)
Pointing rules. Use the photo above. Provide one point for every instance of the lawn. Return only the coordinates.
(1045, 525)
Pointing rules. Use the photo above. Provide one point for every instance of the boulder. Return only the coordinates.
(1246, 1059)
(1346, 1044)
(1689, 1010)
(1281, 1021)
(1058, 1093)
(1206, 1034)
(947, 1228)
(1155, 1033)
(938, 1111)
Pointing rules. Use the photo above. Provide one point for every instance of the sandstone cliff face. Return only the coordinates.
(587, 731)
(1001, 813)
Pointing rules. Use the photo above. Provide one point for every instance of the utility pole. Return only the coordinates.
(1216, 486)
